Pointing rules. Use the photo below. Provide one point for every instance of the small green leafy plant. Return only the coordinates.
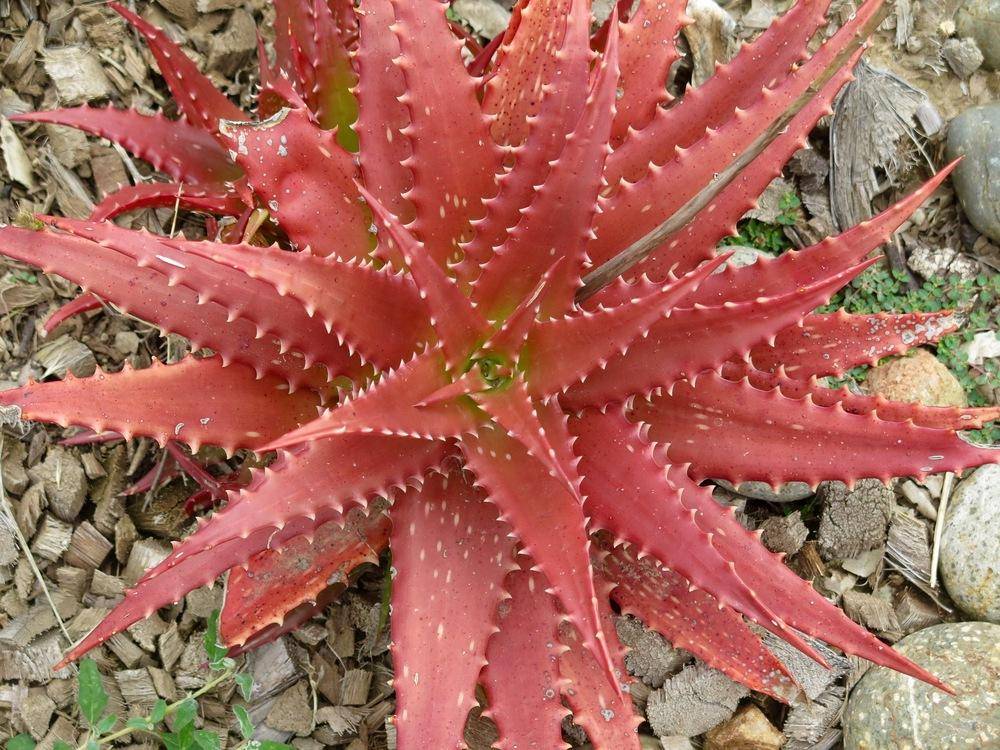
(976, 299)
(767, 236)
(103, 728)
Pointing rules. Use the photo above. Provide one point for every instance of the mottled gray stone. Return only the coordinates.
(980, 19)
(486, 17)
(890, 710)
(962, 55)
(970, 546)
(854, 521)
(786, 493)
(975, 134)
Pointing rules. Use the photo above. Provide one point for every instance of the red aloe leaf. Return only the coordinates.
(454, 159)
(457, 322)
(521, 677)
(833, 344)
(450, 554)
(737, 432)
(782, 590)
(647, 53)
(544, 55)
(636, 209)
(565, 59)
(239, 411)
(738, 84)
(276, 90)
(382, 117)
(693, 619)
(276, 582)
(768, 277)
(561, 352)
(339, 292)
(697, 240)
(197, 98)
(557, 224)
(330, 96)
(940, 417)
(174, 147)
(547, 519)
(288, 499)
(392, 406)
(677, 347)
(608, 717)
(243, 297)
(207, 199)
(146, 293)
(81, 304)
(295, 166)
(617, 465)
(538, 426)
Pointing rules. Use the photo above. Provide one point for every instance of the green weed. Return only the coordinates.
(180, 732)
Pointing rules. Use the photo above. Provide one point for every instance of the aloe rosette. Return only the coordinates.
(535, 452)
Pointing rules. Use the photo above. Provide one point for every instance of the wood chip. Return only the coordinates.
(15, 158)
(146, 632)
(873, 613)
(75, 582)
(35, 713)
(170, 647)
(125, 649)
(92, 466)
(125, 536)
(110, 586)
(63, 730)
(144, 555)
(354, 687)
(88, 547)
(62, 476)
(28, 511)
(35, 662)
(137, 689)
(326, 679)
(292, 711)
(163, 683)
(53, 538)
(15, 476)
(77, 74)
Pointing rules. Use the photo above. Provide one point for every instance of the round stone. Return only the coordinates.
(887, 709)
(970, 546)
(919, 376)
(975, 136)
(980, 19)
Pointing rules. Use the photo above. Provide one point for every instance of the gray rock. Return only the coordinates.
(975, 134)
(962, 55)
(854, 521)
(980, 19)
(970, 546)
(890, 710)
(784, 534)
(486, 17)
(693, 702)
(650, 657)
(786, 493)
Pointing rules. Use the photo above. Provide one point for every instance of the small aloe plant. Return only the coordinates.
(445, 321)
